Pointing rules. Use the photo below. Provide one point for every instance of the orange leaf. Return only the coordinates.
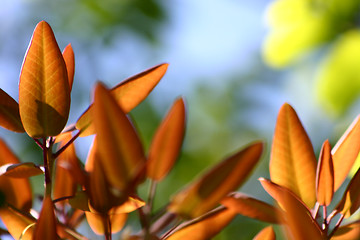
(44, 95)
(20, 170)
(345, 152)
(16, 191)
(266, 234)
(350, 201)
(297, 216)
(68, 171)
(325, 176)
(251, 207)
(120, 150)
(166, 144)
(292, 162)
(349, 231)
(9, 113)
(46, 226)
(128, 94)
(96, 222)
(69, 58)
(205, 227)
(206, 192)
(16, 223)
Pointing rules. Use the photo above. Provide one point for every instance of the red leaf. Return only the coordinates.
(69, 58)
(166, 143)
(20, 170)
(46, 226)
(44, 95)
(9, 113)
(349, 231)
(266, 234)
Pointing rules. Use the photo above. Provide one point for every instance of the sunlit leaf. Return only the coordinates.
(96, 222)
(44, 95)
(266, 234)
(297, 216)
(69, 58)
(16, 223)
(325, 176)
(349, 231)
(205, 227)
(166, 143)
(350, 201)
(293, 162)
(128, 94)
(251, 207)
(345, 152)
(20, 170)
(337, 96)
(16, 191)
(120, 150)
(46, 226)
(9, 113)
(206, 192)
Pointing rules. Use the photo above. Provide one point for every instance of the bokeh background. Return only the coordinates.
(235, 62)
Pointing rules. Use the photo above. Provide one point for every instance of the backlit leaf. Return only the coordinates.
(297, 216)
(46, 226)
(166, 143)
(44, 95)
(96, 222)
(128, 94)
(293, 162)
(205, 227)
(350, 201)
(251, 207)
(349, 231)
(266, 234)
(206, 192)
(20, 170)
(345, 152)
(9, 113)
(325, 176)
(16, 191)
(16, 223)
(69, 58)
(120, 150)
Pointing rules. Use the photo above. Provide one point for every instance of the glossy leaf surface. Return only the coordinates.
(345, 152)
(16, 191)
(16, 223)
(44, 95)
(251, 207)
(350, 201)
(9, 113)
(206, 192)
(204, 227)
(128, 94)
(266, 234)
(69, 58)
(292, 162)
(297, 216)
(325, 176)
(20, 170)
(119, 146)
(46, 226)
(166, 143)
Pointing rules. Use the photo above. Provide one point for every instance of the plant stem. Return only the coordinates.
(337, 225)
(55, 155)
(107, 226)
(151, 196)
(47, 168)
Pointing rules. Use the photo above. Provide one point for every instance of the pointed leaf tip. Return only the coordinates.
(44, 94)
(9, 113)
(166, 143)
(325, 176)
(292, 161)
(69, 58)
(46, 226)
(267, 233)
(206, 192)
